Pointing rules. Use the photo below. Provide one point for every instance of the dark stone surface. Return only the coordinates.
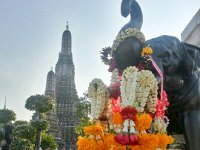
(180, 63)
(136, 18)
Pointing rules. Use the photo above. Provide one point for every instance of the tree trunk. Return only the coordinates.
(38, 139)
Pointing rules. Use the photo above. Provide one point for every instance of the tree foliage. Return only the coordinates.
(21, 144)
(40, 124)
(6, 116)
(39, 103)
(83, 107)
(1, 135)
(20, 122)
(48, 141)
(24, 130)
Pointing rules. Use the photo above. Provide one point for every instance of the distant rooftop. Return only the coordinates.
(191, 34)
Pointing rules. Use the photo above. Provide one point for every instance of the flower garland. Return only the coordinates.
(115, 76)
(98, 94)
(128, 86)
(139, 89)
(141, 123)
(95, 129)
(146, 92)
(135, 33)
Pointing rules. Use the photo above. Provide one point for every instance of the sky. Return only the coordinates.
(31, 32)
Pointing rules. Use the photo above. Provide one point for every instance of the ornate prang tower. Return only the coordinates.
(52, 116)
(66, 95)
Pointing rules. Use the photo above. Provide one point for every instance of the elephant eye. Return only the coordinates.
(165, 57)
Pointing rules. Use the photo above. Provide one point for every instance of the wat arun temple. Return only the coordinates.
(61, 87)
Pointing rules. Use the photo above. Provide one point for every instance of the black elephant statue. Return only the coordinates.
(180, 64)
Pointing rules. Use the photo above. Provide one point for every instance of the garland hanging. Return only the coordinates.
(99, 96)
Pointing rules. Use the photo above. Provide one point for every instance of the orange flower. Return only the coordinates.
(143, 141)
(108, 141)
(99, 145)
(135, 147)
(153, 141)
(164, 140)
(117, 118)
(93, 130)
(83, 143)
(143, 121)
(146, 51)
(148, 141)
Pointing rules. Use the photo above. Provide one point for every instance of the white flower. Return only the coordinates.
(128, 33)
(139, 89)
(98, 95)
(115, 76)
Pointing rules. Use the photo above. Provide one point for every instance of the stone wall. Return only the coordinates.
(191, 34)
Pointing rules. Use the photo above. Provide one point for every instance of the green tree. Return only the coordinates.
(24, 136)
(7, 116)
(1, 132)
(48, 142)
(83, 109)
(6, 126)
(24, 130)
(41, 104)
(21, 144)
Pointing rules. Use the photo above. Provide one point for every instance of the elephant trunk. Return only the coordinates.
(132, 7)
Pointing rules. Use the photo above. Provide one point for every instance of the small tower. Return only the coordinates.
(5, 103)
(52, 116)
(51, 84)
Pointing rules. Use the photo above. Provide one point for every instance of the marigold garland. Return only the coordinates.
(164, 140)
(134, 147)
(143, 121)
(111, 144)
(117, 118)
(93, 130)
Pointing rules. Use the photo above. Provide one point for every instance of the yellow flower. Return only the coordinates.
(143, 122)
(146, 51)
(93, 130)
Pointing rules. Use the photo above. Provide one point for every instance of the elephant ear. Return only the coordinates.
(194, 53)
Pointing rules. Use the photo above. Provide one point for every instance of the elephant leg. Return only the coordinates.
(192, 129)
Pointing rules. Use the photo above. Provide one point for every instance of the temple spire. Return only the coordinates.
(67, 26)
(66, 41)
(5, 103)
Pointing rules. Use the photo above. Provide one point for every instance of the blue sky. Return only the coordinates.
(31, 31)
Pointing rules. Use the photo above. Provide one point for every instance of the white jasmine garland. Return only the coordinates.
(128, 85)
(146, 92)
(130, 32)
(115, 76)
(98, 95)
(139, 89)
